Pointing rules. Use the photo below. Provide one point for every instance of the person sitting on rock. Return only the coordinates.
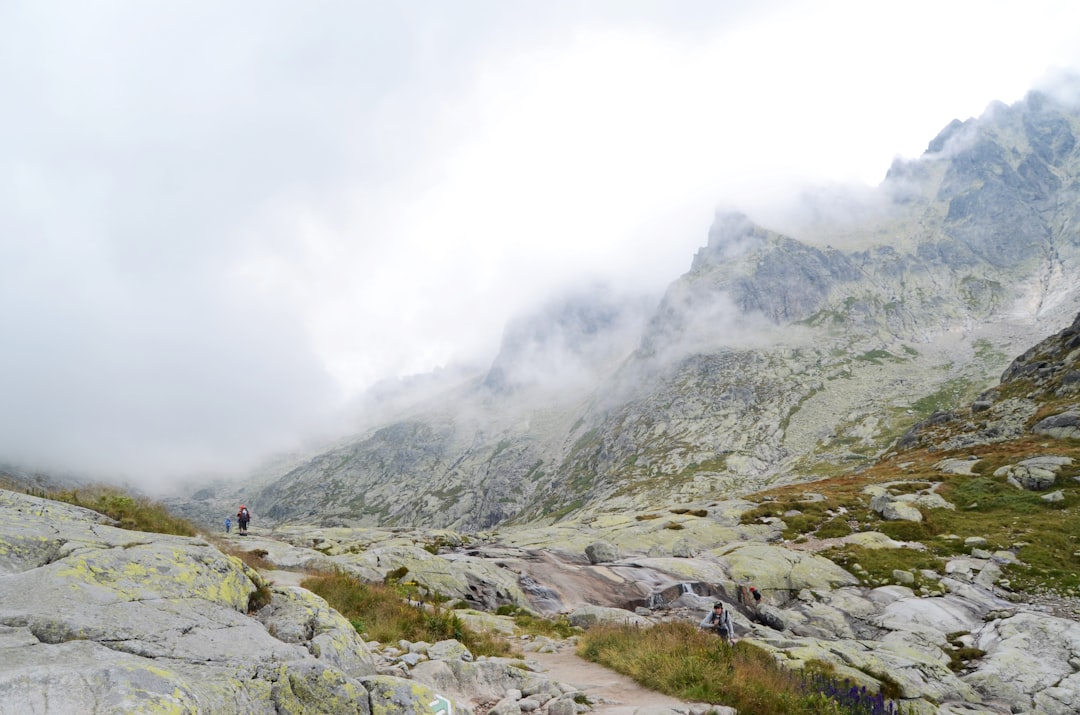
(719, 620)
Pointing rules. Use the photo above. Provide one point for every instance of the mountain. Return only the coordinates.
(783, 354)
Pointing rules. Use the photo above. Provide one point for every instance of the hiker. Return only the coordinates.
(757, 596)
(242, 518)
(719, 620)
(228, 524)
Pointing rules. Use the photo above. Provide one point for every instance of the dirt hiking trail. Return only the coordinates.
(609, 692)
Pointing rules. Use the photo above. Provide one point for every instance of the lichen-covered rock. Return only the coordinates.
(397, 696)
(773, 567)
(95, 619)
(311, 688)
(477, 582)
(298, 616)
(449, 650)
(600, 552)
(1030, 661)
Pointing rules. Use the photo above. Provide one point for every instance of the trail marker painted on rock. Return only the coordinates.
(441, 705)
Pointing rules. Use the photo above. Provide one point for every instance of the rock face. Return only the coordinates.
(96, 619)
(773, 355)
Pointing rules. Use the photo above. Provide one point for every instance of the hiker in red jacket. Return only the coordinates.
(242, 518)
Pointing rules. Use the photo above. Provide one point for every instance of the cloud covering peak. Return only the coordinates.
(220, 223)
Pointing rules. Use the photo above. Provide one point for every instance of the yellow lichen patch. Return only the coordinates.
(159, 571)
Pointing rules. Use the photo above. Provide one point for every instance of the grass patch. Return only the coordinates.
(876, 566)
(1044, 536)
(683, 661)
(380, 612)
(952, 394)
(134, 513)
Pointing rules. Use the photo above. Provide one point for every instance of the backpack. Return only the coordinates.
(244, 514)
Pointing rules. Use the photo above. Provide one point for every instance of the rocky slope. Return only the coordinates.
(936, 572)
(99, 620)
(772, 360)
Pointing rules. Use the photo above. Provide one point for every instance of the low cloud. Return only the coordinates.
(221, 224)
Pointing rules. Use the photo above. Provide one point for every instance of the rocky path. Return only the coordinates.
(609, 692)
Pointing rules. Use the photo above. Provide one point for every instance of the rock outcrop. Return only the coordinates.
(96, 619)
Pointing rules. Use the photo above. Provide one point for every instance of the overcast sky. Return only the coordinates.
(220, 221)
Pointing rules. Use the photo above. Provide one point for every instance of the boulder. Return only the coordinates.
(296, 615)
(1064, 425)
(400, 696)
(1034, 474)
(600, 552)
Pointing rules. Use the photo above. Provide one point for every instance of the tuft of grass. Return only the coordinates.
(256, 558)
(379, 611)
(833, 528)
(134, 513)
(683, 661)
(960, 656)
(259, 598)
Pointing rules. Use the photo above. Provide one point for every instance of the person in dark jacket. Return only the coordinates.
(242, 518)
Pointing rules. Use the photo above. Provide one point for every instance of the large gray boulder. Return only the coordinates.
(1035, 474)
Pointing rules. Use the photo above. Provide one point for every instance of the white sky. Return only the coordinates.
(220, 221)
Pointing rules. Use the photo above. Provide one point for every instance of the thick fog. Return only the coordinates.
(220, 223)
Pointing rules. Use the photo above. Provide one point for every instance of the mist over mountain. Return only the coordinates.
(773, 359)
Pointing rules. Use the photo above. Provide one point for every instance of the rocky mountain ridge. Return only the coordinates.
(772, 360)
